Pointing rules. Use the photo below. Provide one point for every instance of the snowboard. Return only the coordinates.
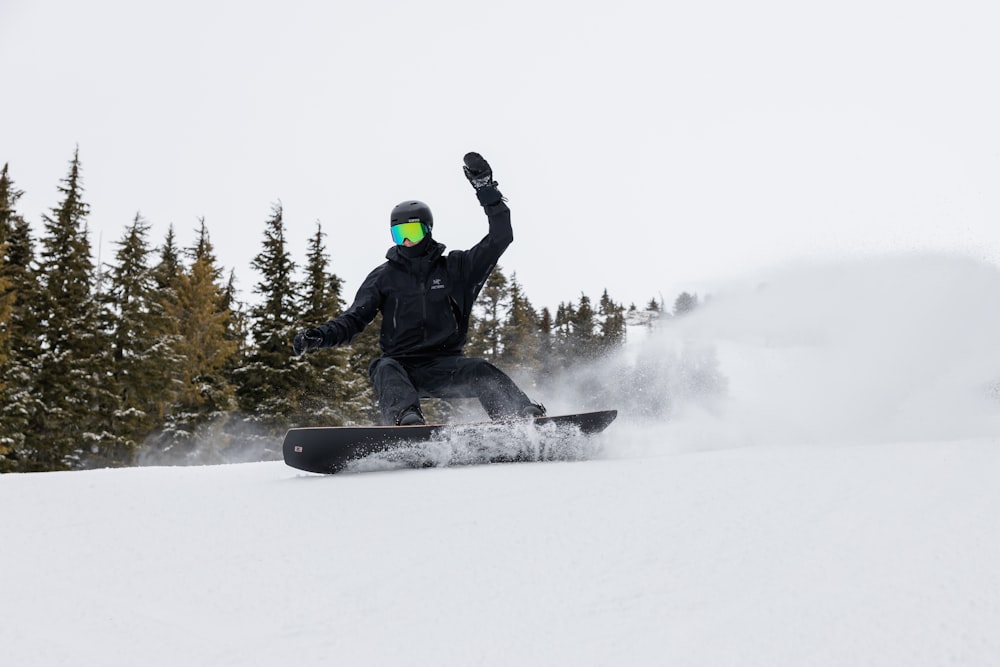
(330, 449)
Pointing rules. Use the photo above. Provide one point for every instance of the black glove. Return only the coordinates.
(307, 339)
(479, 173)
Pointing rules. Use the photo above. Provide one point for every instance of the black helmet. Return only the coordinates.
(412, 211)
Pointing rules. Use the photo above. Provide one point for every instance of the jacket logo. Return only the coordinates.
(436, 284)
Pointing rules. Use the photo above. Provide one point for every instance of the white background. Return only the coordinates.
(645, 147)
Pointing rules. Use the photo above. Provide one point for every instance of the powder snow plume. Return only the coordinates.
(894, 348)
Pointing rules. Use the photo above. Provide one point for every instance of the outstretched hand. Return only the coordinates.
(477, 170)
(307, 339)
(480, 174)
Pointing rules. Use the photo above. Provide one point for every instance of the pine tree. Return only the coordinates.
(562, 336)
(140, 340)
(18, 326)
(548, 362)
(685, 303)
(276, 313)
(363, 408)
(72, 366)
(202, 348)
(612, 323)
(8, 453)
(267, 384)
(489, 314)
(166, 277)
(331, 393)
(574, 334)
(322, 291)
(8, 198)
(584, 323)
(7, 299)
(166, 273)
(237, 328)
(520, 332)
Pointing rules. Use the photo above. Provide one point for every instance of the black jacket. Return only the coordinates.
(426, 301)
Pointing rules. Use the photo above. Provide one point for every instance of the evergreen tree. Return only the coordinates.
(72, 366)
(548, 362)
(520, 332)
(612, 323)
(322, 291)
(166, 279)
(8, 452)
(276, 313)
(202, 349)
(562, 335)
(7, 299)
(238, 327)
(140, 340)
(489, 313)
(685, 303)
(331, 394)
(584, 325)
(19, 330)
(363, 408)
(267, 384)
(574, 334)
(8, 198)
(166, 273)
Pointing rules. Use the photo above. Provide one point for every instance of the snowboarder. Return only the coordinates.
(426, 299)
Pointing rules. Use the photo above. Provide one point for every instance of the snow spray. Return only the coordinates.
(890, 348)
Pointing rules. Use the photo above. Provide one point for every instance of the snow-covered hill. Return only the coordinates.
(837, 507)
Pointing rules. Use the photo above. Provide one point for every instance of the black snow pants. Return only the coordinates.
(400, 383)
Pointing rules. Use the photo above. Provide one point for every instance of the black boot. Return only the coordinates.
(410, 417)
(533, 411)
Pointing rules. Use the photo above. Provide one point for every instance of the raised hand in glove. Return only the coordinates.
(307, 339)
(479, 173)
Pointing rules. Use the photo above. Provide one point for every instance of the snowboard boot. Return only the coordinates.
(533, 411)
(410, 417)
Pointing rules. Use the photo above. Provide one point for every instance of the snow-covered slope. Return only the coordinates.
(837, 507)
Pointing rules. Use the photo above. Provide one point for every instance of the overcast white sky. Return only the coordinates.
(646, 147)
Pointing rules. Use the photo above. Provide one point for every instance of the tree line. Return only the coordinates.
(152, 357)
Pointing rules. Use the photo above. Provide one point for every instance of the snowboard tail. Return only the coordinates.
(329, 450)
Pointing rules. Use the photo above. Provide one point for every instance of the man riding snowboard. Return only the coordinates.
(426, 299)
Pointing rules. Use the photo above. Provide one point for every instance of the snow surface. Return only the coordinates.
(838, 507)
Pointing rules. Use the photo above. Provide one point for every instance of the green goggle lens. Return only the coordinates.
(415, 231)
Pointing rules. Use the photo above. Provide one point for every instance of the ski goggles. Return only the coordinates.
(415, 231)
